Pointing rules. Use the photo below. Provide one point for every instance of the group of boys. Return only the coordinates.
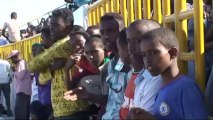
(140, 78)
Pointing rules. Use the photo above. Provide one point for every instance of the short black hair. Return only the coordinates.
(93, 27)
(13, 15)
(77, 28)
(66, 14)
(46, 31)
(84, 34)
(164, 35)
(114, 16)
(122, 38)
(97, 39)
(145, 25)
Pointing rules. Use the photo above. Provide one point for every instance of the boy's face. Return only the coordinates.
(109, 32)
(77, 43)
(34, 51)
(123, 53)
(95, 54)
(155, 56)
(58, 28)
(134, 47)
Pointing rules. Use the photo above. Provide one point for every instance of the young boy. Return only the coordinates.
(114, 76)
(142, 88)
(180, 97)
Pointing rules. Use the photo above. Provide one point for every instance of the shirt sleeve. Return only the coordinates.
(61, 49)
(9, 71)
(193, 103)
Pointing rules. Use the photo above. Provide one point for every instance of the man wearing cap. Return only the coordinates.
(22, 84)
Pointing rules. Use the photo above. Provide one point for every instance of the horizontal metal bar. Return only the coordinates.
(186, 56)
(169, 18)
(186, 14)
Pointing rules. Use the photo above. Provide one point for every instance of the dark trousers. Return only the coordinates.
(6, 91)
(22, 107)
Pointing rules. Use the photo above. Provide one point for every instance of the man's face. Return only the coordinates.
(94, 53)
(155, 56)
(109, 32)
(58, 28)
(134, 47)
(15, 59)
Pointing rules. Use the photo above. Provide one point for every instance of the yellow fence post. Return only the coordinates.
(147, 9)
(101, 11)
(138, 9)
(123, 10)
(110, 2)
(166, 10)
(90, 17)
(97, 15)
(130, 11)
(199, 43)
(181, 32)
(157, 11)
(116, 6)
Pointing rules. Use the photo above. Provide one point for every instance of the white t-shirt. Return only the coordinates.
(146, 90)
(13, 30)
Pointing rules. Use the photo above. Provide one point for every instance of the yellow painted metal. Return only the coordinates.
(24, 47)
(90, 17)
(186, 56)
(157, 11)
(169, 19)
(186, 14)
(97, 15)
(116, 6)
(98, 3)
(199, 43)
(147, 9)
(124, 10)
(130, 9)
(101, 13)
(94, 17)
(166, 11)
(181, 32)
(111, 9)
(138, 9)
(106, 6)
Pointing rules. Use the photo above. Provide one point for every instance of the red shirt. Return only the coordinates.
(128, 98)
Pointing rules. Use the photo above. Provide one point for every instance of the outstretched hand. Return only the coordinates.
(79, 93)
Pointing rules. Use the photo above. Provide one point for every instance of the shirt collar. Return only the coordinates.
(144, 74)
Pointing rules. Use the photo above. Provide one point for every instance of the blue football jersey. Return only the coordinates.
(180, 99)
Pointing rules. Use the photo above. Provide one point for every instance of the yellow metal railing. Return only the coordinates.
(137, 9)
(24, 47)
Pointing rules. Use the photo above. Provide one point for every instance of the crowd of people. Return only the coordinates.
(105, 72)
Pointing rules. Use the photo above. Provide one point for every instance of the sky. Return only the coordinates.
(26, 10)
